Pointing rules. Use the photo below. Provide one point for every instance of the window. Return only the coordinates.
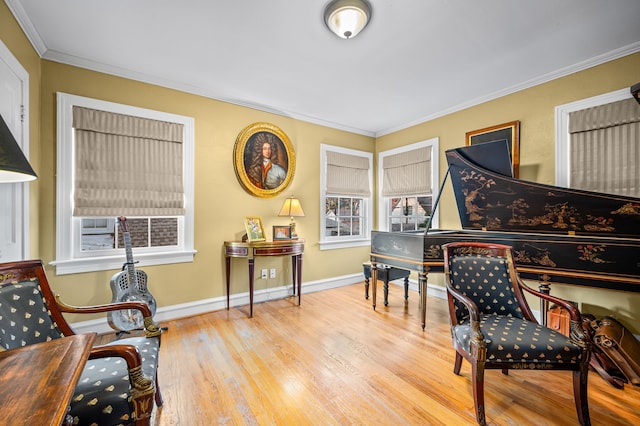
(598, 144)
(92, 240)
(345, 178)
(408, 176)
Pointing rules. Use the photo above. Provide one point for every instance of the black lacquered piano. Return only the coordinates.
(558, 235)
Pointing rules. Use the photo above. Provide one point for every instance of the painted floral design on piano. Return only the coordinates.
(591, 252)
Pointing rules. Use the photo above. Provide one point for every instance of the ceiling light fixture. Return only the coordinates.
(346, 18)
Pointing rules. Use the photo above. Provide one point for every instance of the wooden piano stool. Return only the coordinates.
(386, 273)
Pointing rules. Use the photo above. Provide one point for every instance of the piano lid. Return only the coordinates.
(489, 198)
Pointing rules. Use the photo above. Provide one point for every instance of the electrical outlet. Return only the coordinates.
(272, 273)
(263, 275)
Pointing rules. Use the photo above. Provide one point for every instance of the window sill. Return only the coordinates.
(332, 245)
(92, 264)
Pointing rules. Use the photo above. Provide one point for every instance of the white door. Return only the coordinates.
(14, 86)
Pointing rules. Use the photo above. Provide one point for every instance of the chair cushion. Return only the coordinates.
(102, 394)
(486, 281)
(24, 317)
(516, 340)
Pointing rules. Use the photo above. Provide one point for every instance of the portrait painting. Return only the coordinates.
(264, 159)
(509, 132)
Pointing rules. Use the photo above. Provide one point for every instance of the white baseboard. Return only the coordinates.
(182, 310)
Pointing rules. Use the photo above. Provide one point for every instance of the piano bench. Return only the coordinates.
(386, 273)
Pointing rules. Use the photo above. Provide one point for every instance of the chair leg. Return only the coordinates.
(477, 375)
(457, 364)
(580, 394)
(158, 395)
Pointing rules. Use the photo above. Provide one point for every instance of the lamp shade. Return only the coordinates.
(291, 208)
(346, 18)
(14, 166)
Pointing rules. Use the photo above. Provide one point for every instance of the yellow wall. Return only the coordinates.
(220, 202)
(534, 108)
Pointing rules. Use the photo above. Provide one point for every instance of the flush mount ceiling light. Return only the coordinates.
(346, 18)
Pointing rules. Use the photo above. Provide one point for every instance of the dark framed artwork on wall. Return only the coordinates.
(509, 132)
(263, 159)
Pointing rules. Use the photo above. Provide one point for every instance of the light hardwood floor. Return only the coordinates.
(335, 361)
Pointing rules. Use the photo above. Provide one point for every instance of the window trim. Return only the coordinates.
(330, 243)
(562, 129)
(383, 202)
(67, 233)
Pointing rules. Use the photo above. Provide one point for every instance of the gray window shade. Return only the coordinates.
(605, 148)
(347, 174)
(407, 173)
(126, 165)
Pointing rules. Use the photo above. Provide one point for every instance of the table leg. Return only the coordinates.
(228, 270)
(294, 273)
(251, 269)
(299, 277)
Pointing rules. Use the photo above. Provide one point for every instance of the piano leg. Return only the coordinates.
(422, 286)
(544, 287)
(374, 283)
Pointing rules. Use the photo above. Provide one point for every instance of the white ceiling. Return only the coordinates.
(417, 59)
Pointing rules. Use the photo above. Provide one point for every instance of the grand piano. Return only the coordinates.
(558, 235)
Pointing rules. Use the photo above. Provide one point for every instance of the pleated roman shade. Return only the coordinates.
(605, 148)
(126, 165)
(407, 173)
(347, 174)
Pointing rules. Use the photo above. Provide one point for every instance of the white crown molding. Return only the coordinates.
(545, 78)
(27, 27)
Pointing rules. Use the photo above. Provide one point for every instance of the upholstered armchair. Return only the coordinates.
(119, 382)
(493, 327)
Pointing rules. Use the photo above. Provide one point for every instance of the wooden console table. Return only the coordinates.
(37, 381)
(251, 250)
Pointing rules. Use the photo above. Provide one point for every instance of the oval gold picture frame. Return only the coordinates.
(263, 159)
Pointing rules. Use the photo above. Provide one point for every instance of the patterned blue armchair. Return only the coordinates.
(119, 382)
(493, 327)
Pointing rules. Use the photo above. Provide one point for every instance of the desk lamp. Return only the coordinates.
(292, 208)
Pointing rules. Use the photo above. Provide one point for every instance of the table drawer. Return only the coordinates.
(277, 251)
(236, 251)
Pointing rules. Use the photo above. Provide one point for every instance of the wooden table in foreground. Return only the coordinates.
(251, 250)
(37, 381)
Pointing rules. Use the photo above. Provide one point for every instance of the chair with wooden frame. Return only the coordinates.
(493, 327)
(119, 382)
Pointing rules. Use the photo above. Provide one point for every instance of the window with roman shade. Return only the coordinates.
(126, 165)
(406, 176)
(604, 149)
(121, 160)
(346, 197)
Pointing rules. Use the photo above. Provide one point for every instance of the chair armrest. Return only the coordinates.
(151, 329)
(474, 314)
(477, 342)
(577, 333)
(132, 357)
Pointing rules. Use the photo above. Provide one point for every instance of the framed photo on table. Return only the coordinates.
(253, 226)
(509, 132)
(281, 232)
